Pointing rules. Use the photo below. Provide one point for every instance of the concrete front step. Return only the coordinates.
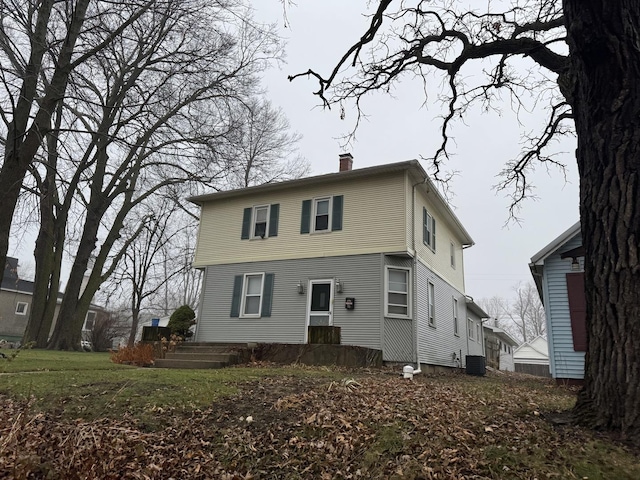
(211, 356)
(188, 364)
(211, 348)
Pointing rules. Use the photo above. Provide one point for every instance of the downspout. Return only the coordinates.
(408, 371)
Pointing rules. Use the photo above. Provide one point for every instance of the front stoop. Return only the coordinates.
(197, 355)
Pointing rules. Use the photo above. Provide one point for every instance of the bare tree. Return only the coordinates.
(41, 43)
(165, 94)
(496, 307)
(263, 149)
(580, 58)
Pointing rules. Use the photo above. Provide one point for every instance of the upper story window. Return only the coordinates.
(428, 229)
(470, 329)
(21, 308)
(321, 207)
(260, 221)
(397, 295)
(322, 214)
(452, 254)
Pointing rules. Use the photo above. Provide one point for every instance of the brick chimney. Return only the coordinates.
(346, 162)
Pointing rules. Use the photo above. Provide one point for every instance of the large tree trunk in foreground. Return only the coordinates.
(603, 39)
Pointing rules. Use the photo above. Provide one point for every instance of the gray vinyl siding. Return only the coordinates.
(438, 344)
(399, 333)
(359, 274)
(564, 362)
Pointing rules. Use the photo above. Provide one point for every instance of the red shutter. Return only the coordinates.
(578, 310)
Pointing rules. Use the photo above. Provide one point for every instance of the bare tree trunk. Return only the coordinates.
(603, 37)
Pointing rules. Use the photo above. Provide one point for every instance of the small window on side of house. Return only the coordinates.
(470, 329)
(452, 254)
(252, 295)
(478, 335)
(397, 297)
(456, 331)
(428, 229)
(432, 304)
(21, 308)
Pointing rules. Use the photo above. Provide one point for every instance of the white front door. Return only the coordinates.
(320, 303)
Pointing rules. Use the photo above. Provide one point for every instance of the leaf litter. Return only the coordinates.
(369, 425)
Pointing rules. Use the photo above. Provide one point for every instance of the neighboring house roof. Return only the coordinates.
(502, 335)
(420, 177)
(475, 308)
(11, 281)
(564, 237)
(537, 349)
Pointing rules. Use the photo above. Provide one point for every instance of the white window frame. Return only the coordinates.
(452, 254)
(470, 329)
(456, 328)
(243, 300)
(314, 214)
(431, 300)
(26, 308)
(429, 240)
(86, 317)
(254, 218)
(387, 292)
(478, 332)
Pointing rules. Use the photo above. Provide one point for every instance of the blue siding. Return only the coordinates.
(564, 362)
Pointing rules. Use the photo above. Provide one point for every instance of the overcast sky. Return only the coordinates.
(399, 128)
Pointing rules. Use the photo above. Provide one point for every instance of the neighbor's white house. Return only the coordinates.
(376, 251)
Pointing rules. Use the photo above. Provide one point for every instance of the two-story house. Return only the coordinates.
(376, 251)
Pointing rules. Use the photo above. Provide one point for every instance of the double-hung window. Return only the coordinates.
(428, 229)
(478, 334)
(432, 304)
(252, 295)
(470, 328)
(322, 214)
(21, 308)
(397, 292)
(455, 317)
(321, 209)
(260, 221)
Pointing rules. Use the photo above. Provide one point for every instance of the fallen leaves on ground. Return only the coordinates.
(375, 425)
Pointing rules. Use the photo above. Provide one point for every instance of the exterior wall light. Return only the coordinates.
(339, 285)
(300, 287)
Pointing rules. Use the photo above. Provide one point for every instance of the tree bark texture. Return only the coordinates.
(604, 40)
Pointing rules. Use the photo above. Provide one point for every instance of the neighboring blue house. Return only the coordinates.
(558, 272)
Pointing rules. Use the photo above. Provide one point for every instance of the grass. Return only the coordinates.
(88, 385)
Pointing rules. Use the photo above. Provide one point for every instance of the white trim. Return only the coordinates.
(26, 308)
(314, 208)
(387, 292)
(318, 281)
(243, 298)
(252, 235)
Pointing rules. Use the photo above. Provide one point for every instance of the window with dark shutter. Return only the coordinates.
(305, 218)
(577, 310)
